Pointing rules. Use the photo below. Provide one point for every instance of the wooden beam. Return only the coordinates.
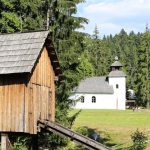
(55, 61)
(58, 68)
(52, 53)
(4, 142)
(63, 81)
(72, 135)
(56, 78)
(60, 75)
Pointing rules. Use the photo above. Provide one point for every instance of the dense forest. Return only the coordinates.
(80, 55)
(133, 51)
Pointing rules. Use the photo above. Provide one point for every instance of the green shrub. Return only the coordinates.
(82, 131)
(138, 140)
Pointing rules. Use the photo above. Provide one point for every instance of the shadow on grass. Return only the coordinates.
(103, 136)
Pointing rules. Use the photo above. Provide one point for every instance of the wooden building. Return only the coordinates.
(28, 68)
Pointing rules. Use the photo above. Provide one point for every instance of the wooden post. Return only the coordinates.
(4, 143)
(34, 143)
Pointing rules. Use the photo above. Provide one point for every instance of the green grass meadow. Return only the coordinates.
(115, 126)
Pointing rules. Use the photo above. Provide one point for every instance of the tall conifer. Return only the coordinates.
(143, 70)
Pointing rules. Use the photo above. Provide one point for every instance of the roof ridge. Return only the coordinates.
(29, 31)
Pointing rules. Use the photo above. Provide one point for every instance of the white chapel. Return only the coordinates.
(103, 92)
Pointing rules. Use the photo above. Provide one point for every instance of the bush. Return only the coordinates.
(138, 140)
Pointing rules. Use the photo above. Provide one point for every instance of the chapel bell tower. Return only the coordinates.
(116, 66)
(117, 78)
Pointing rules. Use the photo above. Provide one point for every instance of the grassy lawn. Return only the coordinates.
(118, 124)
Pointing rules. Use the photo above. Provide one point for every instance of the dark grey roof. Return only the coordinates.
(94, 85)
(117, 74)
(116, 64)
(19, 52)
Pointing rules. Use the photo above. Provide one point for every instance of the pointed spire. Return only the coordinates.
(116, 58)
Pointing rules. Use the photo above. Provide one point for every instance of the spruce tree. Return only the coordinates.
(18, 15)
(57, 16)
(143, 69)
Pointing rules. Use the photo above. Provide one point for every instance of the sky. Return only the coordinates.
(111, 16)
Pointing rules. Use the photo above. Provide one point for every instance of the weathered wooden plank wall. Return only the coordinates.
(41, 89)
(12, 103)
(24, 98)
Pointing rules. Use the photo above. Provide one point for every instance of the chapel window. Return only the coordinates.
(93, 99)
(82, 99)
(117, 86)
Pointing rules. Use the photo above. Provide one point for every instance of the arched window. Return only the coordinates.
(93, 99)
(117, 86)
(82, 99)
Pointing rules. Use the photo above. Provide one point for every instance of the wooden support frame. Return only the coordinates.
(5, 143)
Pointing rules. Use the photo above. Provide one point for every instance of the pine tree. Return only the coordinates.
(20, 15)
(143, 69)
(57, 16)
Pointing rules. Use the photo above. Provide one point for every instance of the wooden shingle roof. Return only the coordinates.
(19, 52)
(116, 64)
(117, 74)
(94, 85)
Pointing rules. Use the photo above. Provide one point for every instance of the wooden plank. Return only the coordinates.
(32, 112)
(47, 89)
(48, 69)
(43, 99)
(4, 108)
(29, 108)
(42, 102)
(49, 105)
(35, 108)
(51, 90)
(53, 103)
(17, 100)
(38, 102)
(42, 68)
(45, 67)
(11, 106)
(40, 71)
(22, 108)
(1, 103)
(26, 108)
(72, 135)
(8, 100)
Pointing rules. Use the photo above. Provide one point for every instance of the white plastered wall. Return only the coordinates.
(103, 101)
(120, 92)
